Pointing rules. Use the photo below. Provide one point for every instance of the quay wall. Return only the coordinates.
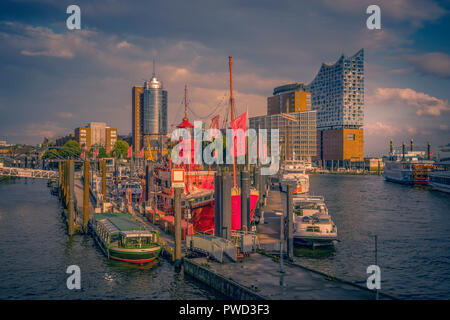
(227, 287)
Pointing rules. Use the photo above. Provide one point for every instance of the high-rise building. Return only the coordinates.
(338, 96)
(149, 115)
(297, 132)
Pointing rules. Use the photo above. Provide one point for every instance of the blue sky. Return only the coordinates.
(53, 79)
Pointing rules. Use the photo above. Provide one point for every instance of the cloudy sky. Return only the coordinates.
(53, 79)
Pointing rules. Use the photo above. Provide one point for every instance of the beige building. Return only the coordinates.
(96, 134)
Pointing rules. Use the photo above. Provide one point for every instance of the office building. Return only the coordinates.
(297, 132)
(149, 112)
(337, 93)
(96, 134)
(289, 98)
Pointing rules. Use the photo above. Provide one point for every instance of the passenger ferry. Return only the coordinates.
(439, 178)
(407, 168)
(123, 238)
(313, 225)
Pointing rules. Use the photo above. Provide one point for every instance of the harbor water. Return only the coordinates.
(413, 229)
(35, 252)
(412, 225)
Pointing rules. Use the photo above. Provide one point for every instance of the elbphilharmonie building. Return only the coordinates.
(337, 93)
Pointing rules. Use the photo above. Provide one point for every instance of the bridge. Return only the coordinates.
(28, 173)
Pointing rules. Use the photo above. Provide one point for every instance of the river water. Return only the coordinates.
(35, 252)
(412, 225)
(413, 229)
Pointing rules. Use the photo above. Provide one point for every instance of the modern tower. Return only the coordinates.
(337, 93)
(149, 114)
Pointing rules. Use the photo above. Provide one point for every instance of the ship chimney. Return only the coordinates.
(391, 148)
(403, 149)
(429, 151)
(412, 144)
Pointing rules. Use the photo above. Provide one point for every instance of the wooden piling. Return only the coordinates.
(86, 200)
(103, 179)
(177, 205)
(290, 222)
(70, 218)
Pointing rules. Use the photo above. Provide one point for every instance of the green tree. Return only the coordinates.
(120, 148)
(102, 152)
(70, 149)
(51, 154)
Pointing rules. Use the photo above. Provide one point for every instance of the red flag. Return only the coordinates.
(141, 153)
(239, 123)
(215, 122)
(95, 153)
(129, 152)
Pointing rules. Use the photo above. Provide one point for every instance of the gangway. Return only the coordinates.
(27, 173)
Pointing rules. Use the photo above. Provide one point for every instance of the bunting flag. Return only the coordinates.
(141, 153)
(215, 123)
(129, 152)
(239, 123)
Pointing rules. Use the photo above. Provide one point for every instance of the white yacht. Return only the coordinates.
(294, 173)
(439, 178)
(313, 225)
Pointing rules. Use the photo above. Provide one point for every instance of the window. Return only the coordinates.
(351, 136)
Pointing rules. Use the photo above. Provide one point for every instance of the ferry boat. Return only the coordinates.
(121, 237)
(439, 178)
(313, 225)
(407, 167)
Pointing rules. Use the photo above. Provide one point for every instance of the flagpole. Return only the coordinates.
(232, 116)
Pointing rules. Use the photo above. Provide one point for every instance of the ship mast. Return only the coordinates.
(232, 116)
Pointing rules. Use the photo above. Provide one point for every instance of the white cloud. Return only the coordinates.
(422, 102)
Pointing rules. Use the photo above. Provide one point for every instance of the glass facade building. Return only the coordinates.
(154, 109)
(300, 134)
(337, 93)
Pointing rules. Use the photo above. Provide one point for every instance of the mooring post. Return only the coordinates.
(218, 216)
(227, 184)
(290, 222)
(59, 179)
(244, 199)
(103, 180)
(177, 205)
(281, 241)
(70, 218)
(86, 203)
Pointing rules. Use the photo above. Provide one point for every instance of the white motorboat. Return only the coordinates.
(313, 225)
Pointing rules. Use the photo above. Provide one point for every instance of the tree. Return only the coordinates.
(102, 152)
(120, 148)
(70, 149)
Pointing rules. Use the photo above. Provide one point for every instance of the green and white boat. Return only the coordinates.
(121, 237)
